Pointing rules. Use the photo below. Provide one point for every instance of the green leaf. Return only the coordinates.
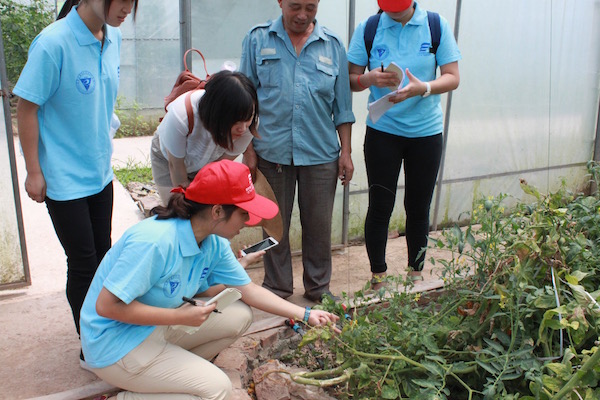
(487, 367)
(551, 383)
(561, 370)
(495, 345)
(389, 392)
(426, 383)
(433, 368)
(511, 376)
(575, 277)
(545, 301)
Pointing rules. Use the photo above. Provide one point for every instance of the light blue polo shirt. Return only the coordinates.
(408, 47)
(75, 85)
(302, 98)
(155, 262)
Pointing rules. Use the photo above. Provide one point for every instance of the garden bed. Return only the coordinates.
(519, 317)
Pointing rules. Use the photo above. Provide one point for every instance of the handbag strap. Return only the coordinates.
(189, 111)
(201, 55)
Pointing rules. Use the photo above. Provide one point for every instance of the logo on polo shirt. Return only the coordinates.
(424, 49)
(380, 52)
(171, 286)
(85, 82)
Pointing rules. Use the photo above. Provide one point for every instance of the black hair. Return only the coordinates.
(230, 97)
(69, 4)
(180, 207)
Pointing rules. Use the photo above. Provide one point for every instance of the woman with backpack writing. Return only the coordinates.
(411, 130)
(225, 117)
(67, 91)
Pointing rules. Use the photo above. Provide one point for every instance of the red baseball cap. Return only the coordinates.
(394, 6)
(229, 182)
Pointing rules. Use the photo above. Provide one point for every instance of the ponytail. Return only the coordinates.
(66, 8)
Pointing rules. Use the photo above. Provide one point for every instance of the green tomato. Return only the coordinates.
(488, 204)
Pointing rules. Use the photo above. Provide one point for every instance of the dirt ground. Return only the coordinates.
(40, 350)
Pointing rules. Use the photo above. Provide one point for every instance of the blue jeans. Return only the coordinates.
(83, 227)
(384, 154)
(316, 194)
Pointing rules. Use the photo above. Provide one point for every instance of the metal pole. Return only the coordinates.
(438, 192)
(593, 187)
(346, 203)
(5, 96)
(185, 31)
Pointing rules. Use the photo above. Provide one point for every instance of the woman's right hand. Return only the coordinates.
(35, 186)
(376, 77)
(195, 315)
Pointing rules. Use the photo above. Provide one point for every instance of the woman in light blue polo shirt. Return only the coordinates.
(138, 331)
(410, 131)
(67, 92)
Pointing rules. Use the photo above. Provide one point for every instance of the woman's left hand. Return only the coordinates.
(414, 88)
(251, 258)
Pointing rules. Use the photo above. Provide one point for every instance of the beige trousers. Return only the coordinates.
(175, 362)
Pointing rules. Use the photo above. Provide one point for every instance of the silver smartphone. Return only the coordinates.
(264, 244)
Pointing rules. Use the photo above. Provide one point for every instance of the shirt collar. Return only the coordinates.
(279, 30)
(418, 18)
(82, 34)
(187, 243)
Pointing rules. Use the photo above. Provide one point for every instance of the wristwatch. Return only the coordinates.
(427, 90)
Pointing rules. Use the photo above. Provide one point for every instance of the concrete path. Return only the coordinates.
(39, 347)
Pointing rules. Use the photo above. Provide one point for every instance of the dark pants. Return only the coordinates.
(83, 228)
(316, 193)
(384, 154)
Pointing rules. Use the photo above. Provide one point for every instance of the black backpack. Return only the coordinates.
(434, 29)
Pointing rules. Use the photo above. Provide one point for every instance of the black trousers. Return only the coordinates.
(384, 154)
(83, 227)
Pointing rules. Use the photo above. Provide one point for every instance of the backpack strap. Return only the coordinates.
(189, 111)
(435, 31)
(369, 36)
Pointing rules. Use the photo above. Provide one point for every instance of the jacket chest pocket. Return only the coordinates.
(323, 83)
(268, 70)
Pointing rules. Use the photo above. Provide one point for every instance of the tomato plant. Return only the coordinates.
(518, 318)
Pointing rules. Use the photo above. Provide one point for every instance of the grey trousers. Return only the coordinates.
(316, 194)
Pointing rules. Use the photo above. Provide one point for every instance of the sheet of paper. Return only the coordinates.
(379, 107)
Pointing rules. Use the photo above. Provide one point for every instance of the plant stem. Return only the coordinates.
(576, 378)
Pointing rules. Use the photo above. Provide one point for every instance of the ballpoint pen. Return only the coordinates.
(382, 66)
(194, 303)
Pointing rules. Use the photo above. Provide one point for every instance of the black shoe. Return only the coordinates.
(317, 298)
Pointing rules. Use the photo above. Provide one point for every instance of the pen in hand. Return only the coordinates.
(194, 303)
(382, 66)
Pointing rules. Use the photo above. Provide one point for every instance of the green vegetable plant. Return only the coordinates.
(21, 22)
(133, 122)
(518, 317)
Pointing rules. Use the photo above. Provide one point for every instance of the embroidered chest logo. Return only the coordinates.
(380, 52)
(204, 273)
(85, 82)
(425, 48)
(171, 286)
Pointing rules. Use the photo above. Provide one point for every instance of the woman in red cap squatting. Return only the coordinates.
(136, 329)
(410, 131)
